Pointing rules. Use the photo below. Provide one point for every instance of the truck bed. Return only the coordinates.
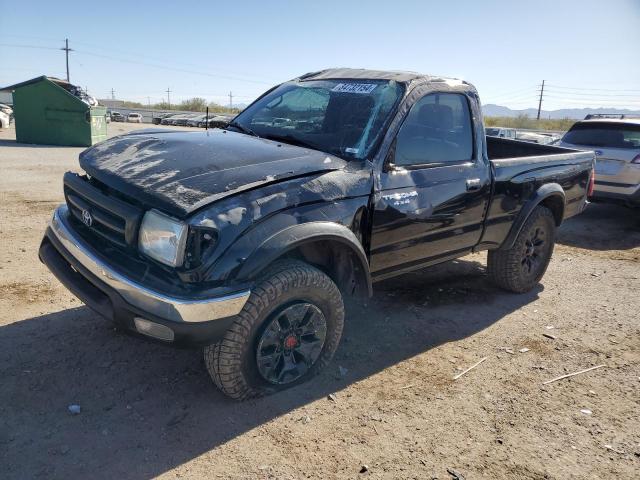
(520, 168)
(501, 148)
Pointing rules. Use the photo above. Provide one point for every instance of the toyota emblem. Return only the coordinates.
(87, 219)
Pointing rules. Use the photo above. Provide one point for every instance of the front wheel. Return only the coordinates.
(521, 267)
(286, 333)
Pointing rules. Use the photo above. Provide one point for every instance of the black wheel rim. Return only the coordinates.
(534, 251)
(291, 343)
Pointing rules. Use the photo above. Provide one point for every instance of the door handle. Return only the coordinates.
(473, 184)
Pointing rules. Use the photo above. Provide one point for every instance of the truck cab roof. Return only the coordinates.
(390, 75)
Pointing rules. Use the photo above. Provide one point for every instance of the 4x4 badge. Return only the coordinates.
(87, 219)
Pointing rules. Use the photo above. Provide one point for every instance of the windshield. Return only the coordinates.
(341, 117)
(606, 135)
(492, 131)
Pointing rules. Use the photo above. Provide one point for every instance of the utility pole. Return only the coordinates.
(67, 50)
(230, 100)
(168, 98)
(113, 94)
(540, 102)
(149, 101)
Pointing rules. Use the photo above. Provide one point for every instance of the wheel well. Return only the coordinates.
(555, 203)
(339, 262)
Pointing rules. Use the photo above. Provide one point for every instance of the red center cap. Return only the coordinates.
(290, 342)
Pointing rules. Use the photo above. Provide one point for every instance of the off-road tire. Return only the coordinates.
(506, 268)
(231, 363)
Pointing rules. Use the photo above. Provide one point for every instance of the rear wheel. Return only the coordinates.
(521, 267)
(287, 332)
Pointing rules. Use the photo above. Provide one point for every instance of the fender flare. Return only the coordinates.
(295, 236)
(546, 191)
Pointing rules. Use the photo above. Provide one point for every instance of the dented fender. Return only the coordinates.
(296, 236)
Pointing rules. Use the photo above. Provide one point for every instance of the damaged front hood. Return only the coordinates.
(180, 172)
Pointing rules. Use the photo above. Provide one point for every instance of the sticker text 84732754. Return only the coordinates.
(354, 88)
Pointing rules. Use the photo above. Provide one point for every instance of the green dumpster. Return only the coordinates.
(48, 111)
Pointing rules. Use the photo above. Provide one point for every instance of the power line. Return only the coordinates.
(147, 57)
(32, 37)
(517, 91)
(596, 89)
(584, 94)
(592, 101)
(14, 45)
(136, 62)
(163, 67)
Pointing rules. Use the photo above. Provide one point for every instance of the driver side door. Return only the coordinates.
(434, 188)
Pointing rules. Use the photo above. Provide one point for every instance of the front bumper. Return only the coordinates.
(99, 286)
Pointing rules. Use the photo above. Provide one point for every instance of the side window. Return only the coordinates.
(436, 130)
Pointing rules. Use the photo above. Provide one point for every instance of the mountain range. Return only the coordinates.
(492, 110)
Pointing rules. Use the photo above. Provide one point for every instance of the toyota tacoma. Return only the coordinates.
(249, 240)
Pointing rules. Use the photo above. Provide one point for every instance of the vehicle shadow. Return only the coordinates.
(14, 143)
(147, 408)
(602, 227)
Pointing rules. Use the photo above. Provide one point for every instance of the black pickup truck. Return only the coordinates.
(249, 240)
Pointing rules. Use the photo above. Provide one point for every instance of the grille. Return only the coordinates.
(111, 218)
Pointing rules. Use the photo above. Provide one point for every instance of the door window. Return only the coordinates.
(437, 130)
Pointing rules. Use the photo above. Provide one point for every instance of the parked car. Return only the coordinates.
(167, 119)
(158, 117)
(248, 240)
(182, 121)
(6, 115)
(535, 137)
(117, 117)
(501, 132)
(616, 141)
(134, 117)
(216, 121)
(196, 119)
(176, 119)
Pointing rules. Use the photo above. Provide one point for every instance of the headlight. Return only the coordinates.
(162, 238)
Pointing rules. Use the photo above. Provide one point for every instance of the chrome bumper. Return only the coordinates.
(163, 306)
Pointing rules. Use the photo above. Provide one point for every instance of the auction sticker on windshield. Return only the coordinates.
(354, 87)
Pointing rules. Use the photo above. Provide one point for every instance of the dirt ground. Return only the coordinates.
(148, 410)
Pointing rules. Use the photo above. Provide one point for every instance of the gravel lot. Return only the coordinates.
(148, 410)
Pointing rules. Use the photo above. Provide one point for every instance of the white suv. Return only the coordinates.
(501, 132)
(616, 142)
(134, 118)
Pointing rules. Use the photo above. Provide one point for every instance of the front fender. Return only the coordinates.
(545, 192)
(296, 236)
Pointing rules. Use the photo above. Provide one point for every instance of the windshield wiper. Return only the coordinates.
(290, 139)
(243, 129)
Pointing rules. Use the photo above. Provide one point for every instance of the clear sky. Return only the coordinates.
(588, 51)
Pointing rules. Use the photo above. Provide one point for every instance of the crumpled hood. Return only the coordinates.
(180, 172)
